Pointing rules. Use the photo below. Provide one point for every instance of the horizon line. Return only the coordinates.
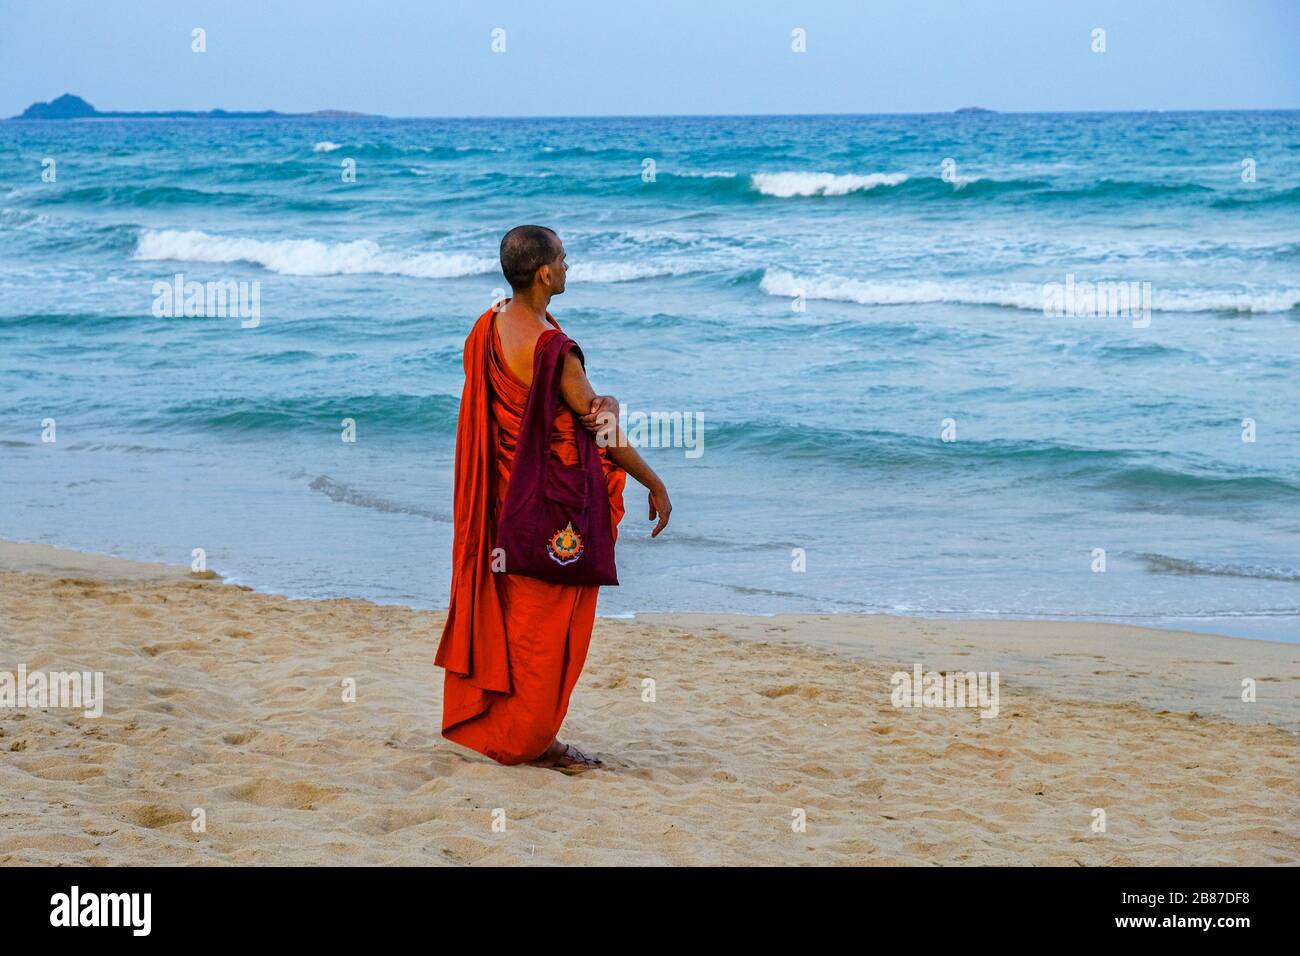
(359, 116)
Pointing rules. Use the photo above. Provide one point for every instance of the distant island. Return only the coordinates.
(69, 107)
(974, 109)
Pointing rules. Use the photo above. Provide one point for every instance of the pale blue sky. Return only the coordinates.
(432, 58)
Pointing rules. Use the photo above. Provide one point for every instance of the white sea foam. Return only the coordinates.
(625, 271)
(1279, 300)
(901, 291)
(786, 185)
(308, 257)
(325, 146)
(311, 257)
(1015, 295)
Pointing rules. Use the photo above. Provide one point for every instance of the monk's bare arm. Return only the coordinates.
(574, 387)
(578, 394)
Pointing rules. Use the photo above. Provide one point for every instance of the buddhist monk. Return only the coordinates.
(513, 646)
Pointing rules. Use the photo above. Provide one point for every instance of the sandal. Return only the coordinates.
(569, 760)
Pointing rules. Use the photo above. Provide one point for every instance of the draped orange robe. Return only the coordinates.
(513, 646)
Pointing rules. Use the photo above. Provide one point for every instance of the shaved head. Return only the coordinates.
(524, 250)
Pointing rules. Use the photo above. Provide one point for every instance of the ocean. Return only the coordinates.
(853, 305)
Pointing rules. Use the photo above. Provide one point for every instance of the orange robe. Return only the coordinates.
(513, 646)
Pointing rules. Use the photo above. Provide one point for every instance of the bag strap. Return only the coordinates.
(585, 441)
(539, 412)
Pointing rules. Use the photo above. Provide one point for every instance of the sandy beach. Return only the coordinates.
(233, 702)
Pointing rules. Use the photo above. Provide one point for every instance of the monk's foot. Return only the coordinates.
(567, 759)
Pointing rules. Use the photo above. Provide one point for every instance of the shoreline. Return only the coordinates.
(36, 557)
(1030, 648)
(715, 729)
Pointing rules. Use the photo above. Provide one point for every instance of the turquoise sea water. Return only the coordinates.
(922, 291)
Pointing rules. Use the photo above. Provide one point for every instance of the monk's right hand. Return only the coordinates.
(602, 406)
(661, 506)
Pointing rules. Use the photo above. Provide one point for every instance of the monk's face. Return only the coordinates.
(554, 272)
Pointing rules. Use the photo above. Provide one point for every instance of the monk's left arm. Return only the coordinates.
(574, 387)
(630, 460)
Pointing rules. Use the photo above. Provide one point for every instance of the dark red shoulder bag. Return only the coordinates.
(555, 522)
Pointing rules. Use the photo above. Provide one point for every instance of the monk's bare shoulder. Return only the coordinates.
(518, 337)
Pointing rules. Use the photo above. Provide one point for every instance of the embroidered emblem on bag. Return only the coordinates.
(565, 545)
